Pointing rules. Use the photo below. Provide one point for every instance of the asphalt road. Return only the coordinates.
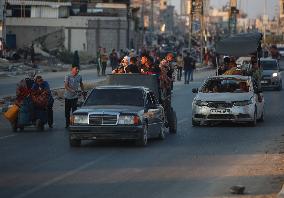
(195, 163)
(55, 79)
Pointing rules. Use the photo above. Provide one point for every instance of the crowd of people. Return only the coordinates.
(145, 62)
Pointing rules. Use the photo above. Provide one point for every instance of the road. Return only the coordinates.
(55, 79)
(197, 162)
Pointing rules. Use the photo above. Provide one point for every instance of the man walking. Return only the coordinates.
(188, 67)
(104, 59)
(71, 84)
(113, 57)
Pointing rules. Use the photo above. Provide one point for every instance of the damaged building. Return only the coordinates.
(69, 25)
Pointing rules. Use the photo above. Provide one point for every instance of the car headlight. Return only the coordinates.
(275, 74)
(128, 119)
(80, 119)
(201, 103)
(243, 103)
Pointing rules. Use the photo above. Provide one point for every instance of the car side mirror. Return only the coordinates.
(194, 90)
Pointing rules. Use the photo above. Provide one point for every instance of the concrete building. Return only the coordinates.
(101, 24)
(281, 4)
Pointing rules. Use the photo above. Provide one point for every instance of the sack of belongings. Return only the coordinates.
(40, 98)
(233, 71)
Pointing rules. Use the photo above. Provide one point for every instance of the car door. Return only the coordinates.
(154, 114)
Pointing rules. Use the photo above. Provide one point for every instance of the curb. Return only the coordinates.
(204, 68)
(281, 193)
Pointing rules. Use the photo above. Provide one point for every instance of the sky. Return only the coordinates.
(253, 8)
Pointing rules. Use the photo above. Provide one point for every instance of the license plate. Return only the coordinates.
(220, 111)
(264, 81)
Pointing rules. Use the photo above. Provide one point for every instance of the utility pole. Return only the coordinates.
(191, 4)
(152, 16)
(202, 30)
(3, 10)
(233, 17)
(142, 22)
(264, 22)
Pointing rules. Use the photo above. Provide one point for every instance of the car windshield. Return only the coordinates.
(129, 97)
(280, 48)
(222, 85)
(269, 65)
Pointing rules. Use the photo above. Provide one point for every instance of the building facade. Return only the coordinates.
(69, 26)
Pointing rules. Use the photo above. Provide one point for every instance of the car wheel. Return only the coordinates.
(162, 135)
(21, 127)
(195, 123)
(14, 126)
(39, 125)
(75, 142)
(253, 123)
(173, 122)
(143, 140)
(280, 86)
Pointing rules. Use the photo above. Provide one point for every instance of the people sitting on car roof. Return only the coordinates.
(147, 66)
(274, 52)
(225, 66)
(132, 68)
(121, 69)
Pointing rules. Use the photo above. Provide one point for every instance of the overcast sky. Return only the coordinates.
(253, 8)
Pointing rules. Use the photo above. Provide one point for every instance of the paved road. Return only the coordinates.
(195, 163)
(55, 79)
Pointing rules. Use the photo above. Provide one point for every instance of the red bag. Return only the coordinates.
(40, 98)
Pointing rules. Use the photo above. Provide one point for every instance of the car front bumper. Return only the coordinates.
(205, 114)
(270, 82)
(105, 132)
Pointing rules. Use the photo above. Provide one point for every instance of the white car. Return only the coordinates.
(281, 51)
(230, 98)
(271, 74)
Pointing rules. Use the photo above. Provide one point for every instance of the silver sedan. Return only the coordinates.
(227, 98)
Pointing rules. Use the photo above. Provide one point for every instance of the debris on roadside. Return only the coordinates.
(239, 189)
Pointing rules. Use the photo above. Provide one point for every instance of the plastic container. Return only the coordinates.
(12, 113)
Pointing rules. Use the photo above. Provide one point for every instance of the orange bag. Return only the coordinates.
(12, 113)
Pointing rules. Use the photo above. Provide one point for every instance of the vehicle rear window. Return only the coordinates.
(225, 85)
(269, 65)
(129, 97)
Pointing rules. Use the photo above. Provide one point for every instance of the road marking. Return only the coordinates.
(61, 177)
(183, 120)
(7, 136)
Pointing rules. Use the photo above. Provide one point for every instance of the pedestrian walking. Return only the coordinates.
(76, 59)
(179, 66)
(72, 83)
(113, 58)
(188, 67)
(104, 59)
(98, 61)
(32, 53)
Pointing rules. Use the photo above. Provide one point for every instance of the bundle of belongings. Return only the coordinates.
(29, 105)
(233, 71)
